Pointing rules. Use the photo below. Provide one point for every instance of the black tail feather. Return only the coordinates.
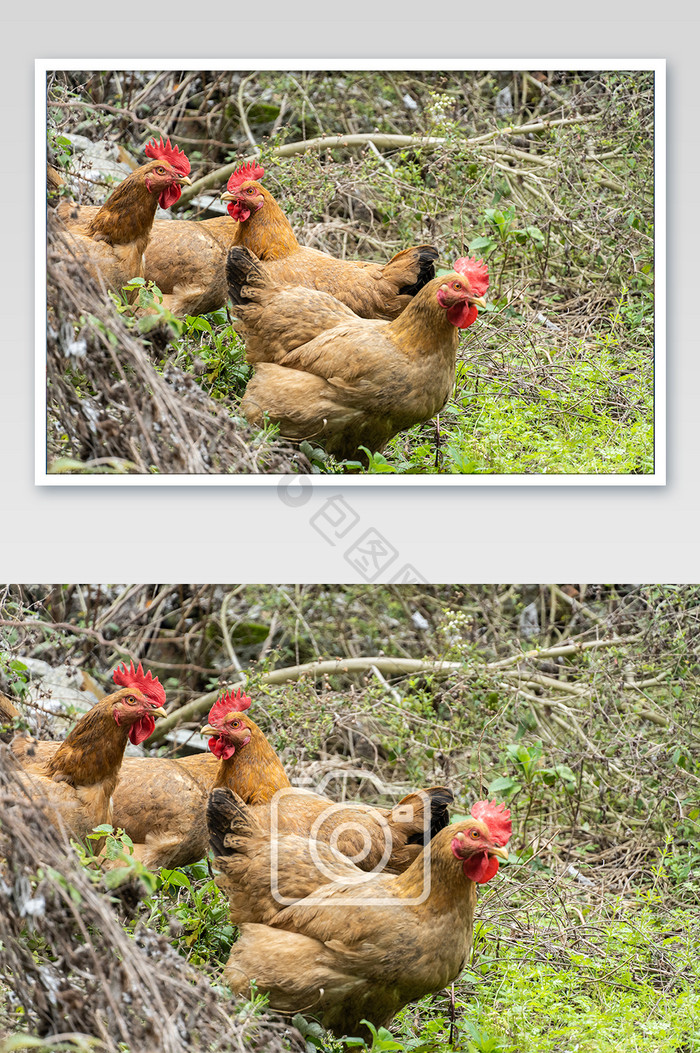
(440, 800)
(226, 814)
(242, 268)
(427, 256)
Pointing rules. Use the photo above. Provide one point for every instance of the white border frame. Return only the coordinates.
(657, 478)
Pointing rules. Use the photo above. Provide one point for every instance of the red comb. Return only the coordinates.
(232, 701)
(145, 682)
(476, 271)
(497, 819)
(163, 151)
(245, 172)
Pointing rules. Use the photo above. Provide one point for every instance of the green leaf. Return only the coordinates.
(175, 877)
(504, 783)
(482, 245)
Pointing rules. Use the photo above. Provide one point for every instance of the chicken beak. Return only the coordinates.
(208, 730)
(227, 197)
(477, 301)
(160, 712)
(184, 179)
(501, 853)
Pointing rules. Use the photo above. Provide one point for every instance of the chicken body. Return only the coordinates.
(371, 290)
(325, 375)
(76, 783)
(156, 801)
(110, 241)
(161, 803)
(328, 940)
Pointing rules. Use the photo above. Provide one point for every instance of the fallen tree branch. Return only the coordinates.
(387, 667)
(571, 648)
(379, 140)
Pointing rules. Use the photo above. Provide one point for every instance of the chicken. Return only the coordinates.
(75, 785)
(110, 241)
(390, 837)
(324, 374)
(156, 801)
(371, 290)
(161, 803)
(320, 937)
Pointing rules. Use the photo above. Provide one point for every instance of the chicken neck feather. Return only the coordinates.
(267, 232)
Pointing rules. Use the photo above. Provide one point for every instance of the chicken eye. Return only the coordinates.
(235, 723)
(250, 190)
(130, 700)
(456, 285)
(474, 834)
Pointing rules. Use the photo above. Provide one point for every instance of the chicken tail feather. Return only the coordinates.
(227, 815)
(411, 269)
(410, 813)
(242, 268)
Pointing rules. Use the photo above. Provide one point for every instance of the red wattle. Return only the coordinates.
(221, 748)
(141, 729)
(169, 196)
(462, 315)
(238, 211)
(480, 868)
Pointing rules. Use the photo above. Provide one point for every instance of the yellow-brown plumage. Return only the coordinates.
(326, 375)
(187, 261)
(161, 803)
(349, 946)
(75, 783)
(110, 241)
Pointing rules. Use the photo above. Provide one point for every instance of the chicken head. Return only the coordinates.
(481, 840)
(462, 292)
(167, 172)
(229, 730)
(243, 192)
(139, 703)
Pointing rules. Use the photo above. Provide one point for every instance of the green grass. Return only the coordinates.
(587, 975)
(583, 408)
(582, 978)
(599, 777)
(630, 982)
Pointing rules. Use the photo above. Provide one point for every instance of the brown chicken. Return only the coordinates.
(371, 290)
(111, 241)
(320, 937)
(323, 374)
(161, 803)
(156, 801)
(372, 837)
(75, 785)
(166, 817)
